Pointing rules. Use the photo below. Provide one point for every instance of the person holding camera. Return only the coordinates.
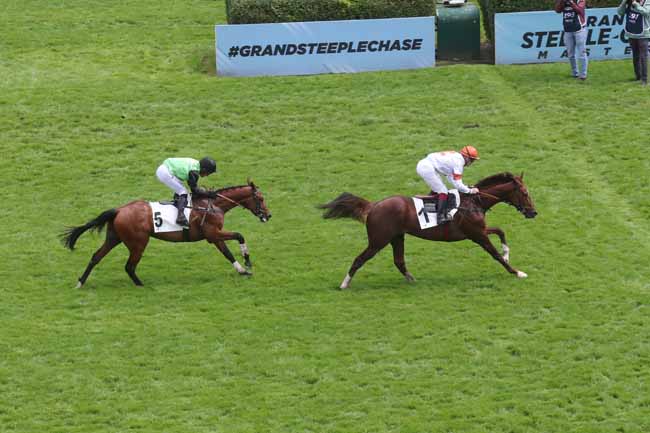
(575, 34)
(637, 31)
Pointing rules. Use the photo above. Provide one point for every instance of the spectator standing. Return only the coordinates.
(575, 34)
(637, 30)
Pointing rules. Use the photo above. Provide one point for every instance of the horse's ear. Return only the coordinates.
(522, 176)
(249, 181)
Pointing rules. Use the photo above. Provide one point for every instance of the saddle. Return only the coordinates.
(171, 202)
(431, 201)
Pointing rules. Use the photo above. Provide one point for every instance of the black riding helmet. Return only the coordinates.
(208, 165)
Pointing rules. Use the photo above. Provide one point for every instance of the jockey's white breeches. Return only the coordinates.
(428, 172)
(170, 180)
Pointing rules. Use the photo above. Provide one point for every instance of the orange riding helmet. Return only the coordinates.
(469, 152)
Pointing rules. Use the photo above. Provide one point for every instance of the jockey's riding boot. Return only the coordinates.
(181, 202)
(442, 208)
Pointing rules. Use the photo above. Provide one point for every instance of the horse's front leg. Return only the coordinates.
(244, 252)
(484, 242)
(226, 236)
(221, 245)
(219, 239)
(504, 245)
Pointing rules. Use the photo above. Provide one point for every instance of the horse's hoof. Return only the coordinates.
(248, 264)
(521, 274)
(79, 285)
(410, 278)
(246, 274)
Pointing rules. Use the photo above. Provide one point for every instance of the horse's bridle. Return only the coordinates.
(211, 208)
(258, 203)
(520, 208)
(517, 206)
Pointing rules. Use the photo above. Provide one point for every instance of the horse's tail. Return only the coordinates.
(347, 206)
(70, 235)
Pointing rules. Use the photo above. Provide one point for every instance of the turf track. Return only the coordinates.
(93, 95)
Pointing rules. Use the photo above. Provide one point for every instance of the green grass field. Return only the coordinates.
(94, 95)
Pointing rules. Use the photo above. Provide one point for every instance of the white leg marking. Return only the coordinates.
(244, 249)
(239, 267)
(506, 253)
(79, 285)
(346, 282)
(521, 274)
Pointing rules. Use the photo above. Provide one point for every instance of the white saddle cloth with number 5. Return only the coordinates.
(164, 216)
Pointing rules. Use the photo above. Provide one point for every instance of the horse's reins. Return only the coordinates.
(209, 208)
(230, 200)
(480, 193)
(488, 195)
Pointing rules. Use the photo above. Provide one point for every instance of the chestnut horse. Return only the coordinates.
(389, 219)
(133, 225)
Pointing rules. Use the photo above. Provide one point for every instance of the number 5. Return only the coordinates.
(158, 219)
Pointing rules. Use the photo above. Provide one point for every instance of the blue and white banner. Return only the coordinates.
(536, 37)
(325, 46)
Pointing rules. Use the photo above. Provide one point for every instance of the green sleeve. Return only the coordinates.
(622, 7)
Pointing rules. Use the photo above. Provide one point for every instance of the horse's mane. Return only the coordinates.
(227, 188)
(212, 193)
(496, 179)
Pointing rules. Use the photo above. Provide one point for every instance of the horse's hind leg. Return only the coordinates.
(378, 238)
(362, 258)
(398, 256)
(112, 240)
(497, 231)
(136, 248)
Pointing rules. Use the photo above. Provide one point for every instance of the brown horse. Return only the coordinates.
(133, 225)
(389, 219)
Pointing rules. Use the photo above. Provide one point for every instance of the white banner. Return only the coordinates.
(325, 46)
(536, 37)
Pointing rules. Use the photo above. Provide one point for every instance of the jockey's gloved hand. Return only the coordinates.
(473, 191)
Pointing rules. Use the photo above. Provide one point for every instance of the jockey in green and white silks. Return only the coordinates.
(174, 171)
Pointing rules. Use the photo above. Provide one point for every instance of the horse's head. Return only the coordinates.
(506, 187)
(520, 198)
(255, 203)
